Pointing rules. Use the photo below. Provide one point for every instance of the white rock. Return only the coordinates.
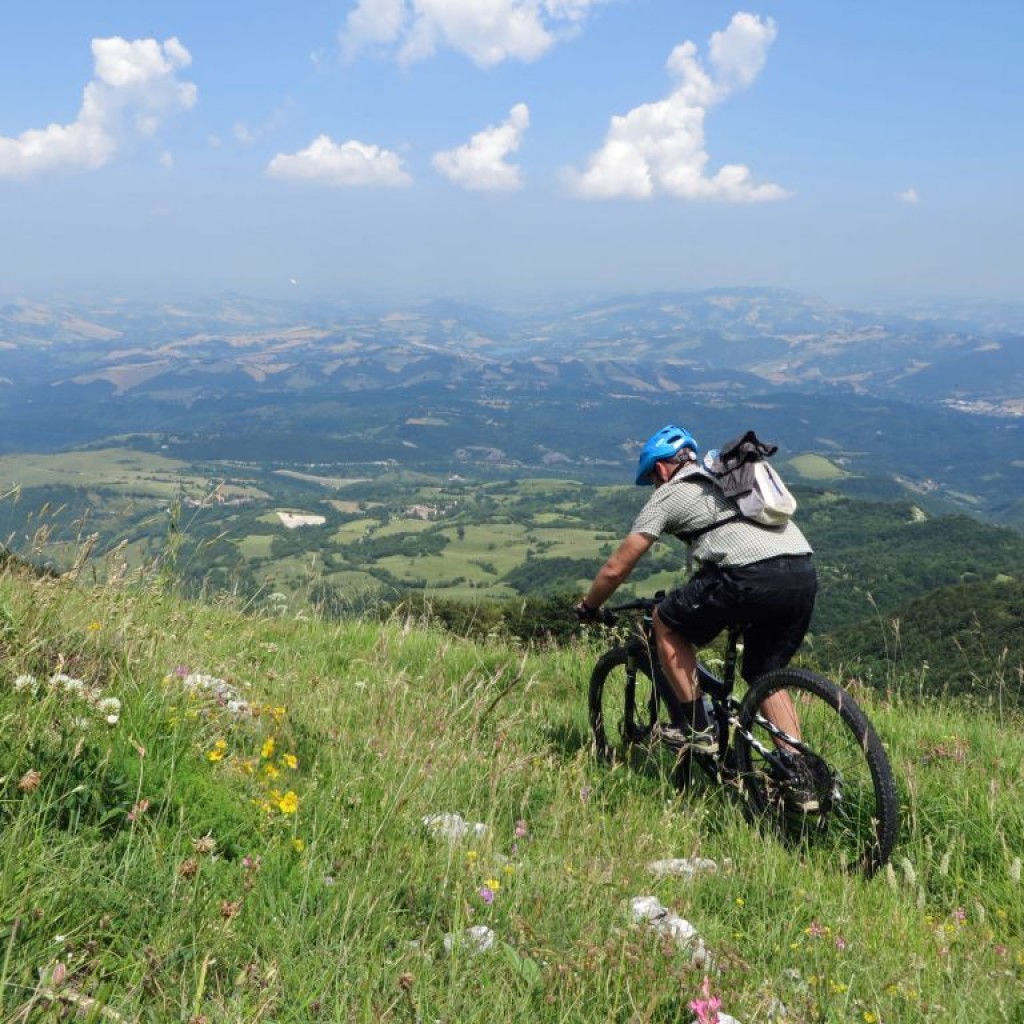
(648, 909)
(478, 939)
(684, 867)
(453, 827)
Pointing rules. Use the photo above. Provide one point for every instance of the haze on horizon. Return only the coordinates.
(511, 149)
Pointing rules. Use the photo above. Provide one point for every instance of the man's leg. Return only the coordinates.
(678, 659)
(775, 634)
(779, 710)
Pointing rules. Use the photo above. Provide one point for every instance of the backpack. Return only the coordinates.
(739, 469)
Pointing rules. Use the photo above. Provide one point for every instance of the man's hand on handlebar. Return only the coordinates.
(587, 614)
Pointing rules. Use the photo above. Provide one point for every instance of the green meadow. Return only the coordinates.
(213, 815)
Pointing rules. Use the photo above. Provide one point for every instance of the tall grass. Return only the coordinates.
(246, 842)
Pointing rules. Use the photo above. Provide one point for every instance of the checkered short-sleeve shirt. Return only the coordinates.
(690, 503)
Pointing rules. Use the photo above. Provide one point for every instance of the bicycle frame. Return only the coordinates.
(724, 708)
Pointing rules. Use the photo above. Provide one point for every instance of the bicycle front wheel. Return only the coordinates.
(623, 703)
(811, 764)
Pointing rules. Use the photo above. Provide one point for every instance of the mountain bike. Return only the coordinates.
(828, 783)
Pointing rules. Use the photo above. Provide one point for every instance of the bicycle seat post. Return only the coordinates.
(729, 671)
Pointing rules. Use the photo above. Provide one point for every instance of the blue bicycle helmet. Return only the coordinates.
(662, 445)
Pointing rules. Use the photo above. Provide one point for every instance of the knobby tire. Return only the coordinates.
(846, 765)
(623, 710)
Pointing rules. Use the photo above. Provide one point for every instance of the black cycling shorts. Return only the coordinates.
(772, 600)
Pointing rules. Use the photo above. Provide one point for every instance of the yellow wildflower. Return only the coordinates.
(267, 751)
(290, 761)
(270, 771)
(219, 749)
(93, 626)
(289, 803)
(471, 855)
(298, 845)
(492, 883)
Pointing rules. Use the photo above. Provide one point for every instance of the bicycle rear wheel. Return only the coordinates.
(827, 782)
(623, 703)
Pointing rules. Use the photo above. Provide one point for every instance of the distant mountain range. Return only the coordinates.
(933, 398)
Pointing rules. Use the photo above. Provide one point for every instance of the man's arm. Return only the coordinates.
(617, 569)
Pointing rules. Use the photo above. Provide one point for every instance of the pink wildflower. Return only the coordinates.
(520, 829)
(138, 810)
(706, 1008)
(840, 943)
(815, 930)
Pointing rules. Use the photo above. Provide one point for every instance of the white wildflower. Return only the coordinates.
(76, 687)
(110, 709)
(26, 682)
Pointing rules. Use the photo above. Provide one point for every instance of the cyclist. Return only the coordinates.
(757, 577)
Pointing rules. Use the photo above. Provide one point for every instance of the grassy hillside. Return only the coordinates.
(966, 638)
(209, 816)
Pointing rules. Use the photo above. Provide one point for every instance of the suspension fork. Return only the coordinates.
(640, 650)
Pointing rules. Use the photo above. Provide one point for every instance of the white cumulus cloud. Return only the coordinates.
(480, 163)
(347, 163)
(909, 195)
(486, 31)
(135, 86)
(658, 148)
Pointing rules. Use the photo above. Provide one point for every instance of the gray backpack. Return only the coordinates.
(740, 470)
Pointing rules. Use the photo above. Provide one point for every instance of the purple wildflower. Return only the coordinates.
(487, 894)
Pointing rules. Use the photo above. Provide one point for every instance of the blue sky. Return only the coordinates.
(511, 150)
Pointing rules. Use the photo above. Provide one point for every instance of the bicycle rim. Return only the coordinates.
(839, 793)
(622, 704)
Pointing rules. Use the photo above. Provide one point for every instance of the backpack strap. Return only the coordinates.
(691, 535)
(694, 469)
